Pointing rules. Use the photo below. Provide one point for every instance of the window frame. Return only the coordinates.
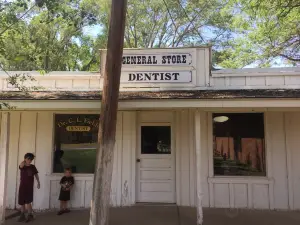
(210, 147)
(53, 141)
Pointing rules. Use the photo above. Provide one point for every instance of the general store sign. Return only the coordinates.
(163, 59)
(157, 77)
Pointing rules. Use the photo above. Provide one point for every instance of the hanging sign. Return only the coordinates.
(166, 59)
(157, 77)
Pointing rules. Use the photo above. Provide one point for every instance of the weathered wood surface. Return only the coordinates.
(108, 119)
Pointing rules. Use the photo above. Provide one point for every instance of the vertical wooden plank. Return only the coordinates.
(268, 151)
(210, 158)
(4, 148)
(76, 194)
(210, 145)
(198, 167)
(44, 149)
(119, 139)
(294, 143)
(133, 156)
(271, 196)
(115, 177)
(250, 195)
(88, 193)
(231, 196)
(227, 81)
(211, 195)
(289, 157)
(192, 156)
(178, 157)
(27, 137)
(173, 146)
(276, 147)
(13, 161)
(185, 158)
(204, 158)
(207, 67)
(82, 194)
(202, 77)
(268, 147)
(126, 158)
(54, 193)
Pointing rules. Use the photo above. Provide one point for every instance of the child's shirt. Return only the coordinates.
(27, 175)
(67, 181)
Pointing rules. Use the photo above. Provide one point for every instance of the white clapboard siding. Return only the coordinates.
(43, 161)
(33, 132)
(12, 189)
(27, 139)
(292, 124)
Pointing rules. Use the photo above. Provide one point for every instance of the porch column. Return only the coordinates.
(198, 166)
(4, 140)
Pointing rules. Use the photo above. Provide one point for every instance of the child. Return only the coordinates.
(27, 174)
(66, 183)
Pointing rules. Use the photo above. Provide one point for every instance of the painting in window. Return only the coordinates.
(75, 142)
(239, 144)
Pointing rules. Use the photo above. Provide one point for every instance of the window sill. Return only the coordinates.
(77, 176)
(240, 180)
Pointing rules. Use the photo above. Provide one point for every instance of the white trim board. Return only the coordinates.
(154, 104)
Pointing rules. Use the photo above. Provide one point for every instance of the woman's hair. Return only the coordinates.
(29, 156)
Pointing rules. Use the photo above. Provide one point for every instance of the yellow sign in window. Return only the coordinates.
(78, 128)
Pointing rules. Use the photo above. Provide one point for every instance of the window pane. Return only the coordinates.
(75, 142)
(156, 140)
(239, 144)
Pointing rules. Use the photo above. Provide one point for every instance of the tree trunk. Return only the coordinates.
(104, 164)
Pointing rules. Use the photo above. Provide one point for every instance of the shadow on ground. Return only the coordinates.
(171, 215)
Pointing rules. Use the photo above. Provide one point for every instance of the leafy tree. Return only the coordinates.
(49, 34)
(166, 23)
(53, 38)
(268, 30)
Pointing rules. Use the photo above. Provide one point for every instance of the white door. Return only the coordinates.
(155, 164)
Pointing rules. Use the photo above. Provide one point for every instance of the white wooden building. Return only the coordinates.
(171, 107)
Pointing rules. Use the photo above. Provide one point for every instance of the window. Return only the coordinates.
(156, 140)
(75, 142)
(238, 144)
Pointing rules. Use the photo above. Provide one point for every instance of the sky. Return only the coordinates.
(92, 30)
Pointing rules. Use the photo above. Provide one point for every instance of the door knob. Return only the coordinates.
(138, 160)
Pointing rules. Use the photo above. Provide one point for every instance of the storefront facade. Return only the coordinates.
(184, 133)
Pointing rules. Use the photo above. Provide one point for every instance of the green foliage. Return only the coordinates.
(51, 38)
(49, 34)
(268, 30)
(158, 23)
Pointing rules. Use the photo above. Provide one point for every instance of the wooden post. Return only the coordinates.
(4, 140)
(104, 164)
(198, 167)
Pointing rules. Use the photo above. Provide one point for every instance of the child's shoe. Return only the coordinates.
(60, 212)
(21, 218)
(29, 218)
(67, 210)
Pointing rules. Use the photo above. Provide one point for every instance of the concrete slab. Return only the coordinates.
(171, 215)
(11, 213)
